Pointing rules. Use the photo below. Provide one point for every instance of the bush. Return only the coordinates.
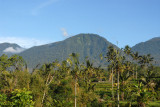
(17, 98)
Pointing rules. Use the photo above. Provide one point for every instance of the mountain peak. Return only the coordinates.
(86, 35)
(9, 44)
(91, 45)
(151, 46)
(155, 39)
(10, 48)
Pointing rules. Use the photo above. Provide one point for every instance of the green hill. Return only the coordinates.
(90, 45)
(151, 46)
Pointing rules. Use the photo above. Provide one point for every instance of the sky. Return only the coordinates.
(35, 22)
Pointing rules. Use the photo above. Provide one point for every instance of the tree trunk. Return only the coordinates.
(130, 105)
(112, 86)
(75, 94)
(122, 96)
(47, 83)
(136, 72)
(118, 88)
(133, 72)
(43, 96)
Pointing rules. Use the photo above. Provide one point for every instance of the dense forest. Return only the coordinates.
(129, 79)
(91, 45)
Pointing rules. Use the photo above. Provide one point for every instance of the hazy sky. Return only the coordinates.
(36, 22)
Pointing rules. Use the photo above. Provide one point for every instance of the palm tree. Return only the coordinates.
(74, 72)
(148, 78)
(135, 57)
(127, 50)
(145, 60)
(118, 69)
(111, 56)
(88, 72)
(125, 76)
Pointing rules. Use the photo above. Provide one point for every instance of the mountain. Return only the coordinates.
(10, 48)
(90, 45)
(151, 46)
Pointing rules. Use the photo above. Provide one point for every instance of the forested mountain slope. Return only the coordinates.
(151, 46)
(90, 45)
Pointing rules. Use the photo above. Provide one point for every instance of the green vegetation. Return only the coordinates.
(149, 47)
(128, 80)
(91, 45)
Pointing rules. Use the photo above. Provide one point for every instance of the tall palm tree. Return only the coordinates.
(88, 72)
(126, 69)
(127, 50)
(75, 69)
(135, 56)
(111, 56)
(118, 69)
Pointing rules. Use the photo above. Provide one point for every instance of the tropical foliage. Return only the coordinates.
(128, 80)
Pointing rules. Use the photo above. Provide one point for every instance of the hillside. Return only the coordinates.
(90, 45)
(10, 48)
(151, 46)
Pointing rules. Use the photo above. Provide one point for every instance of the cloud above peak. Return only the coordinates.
(64, 32)
(12, 50)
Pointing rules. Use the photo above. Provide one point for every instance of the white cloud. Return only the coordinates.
(12, 50)
(23, 41)
(64, 32)
(41, 6)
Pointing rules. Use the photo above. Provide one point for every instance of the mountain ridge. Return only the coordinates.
(10, 48)
(151, 46)
(90, 45)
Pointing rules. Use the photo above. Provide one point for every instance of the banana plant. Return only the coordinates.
(137, 92)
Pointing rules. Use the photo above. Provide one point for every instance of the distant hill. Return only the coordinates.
(90, 45)
(151, 46)
(10, 48)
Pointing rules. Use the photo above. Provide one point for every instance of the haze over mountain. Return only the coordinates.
(10, 48)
